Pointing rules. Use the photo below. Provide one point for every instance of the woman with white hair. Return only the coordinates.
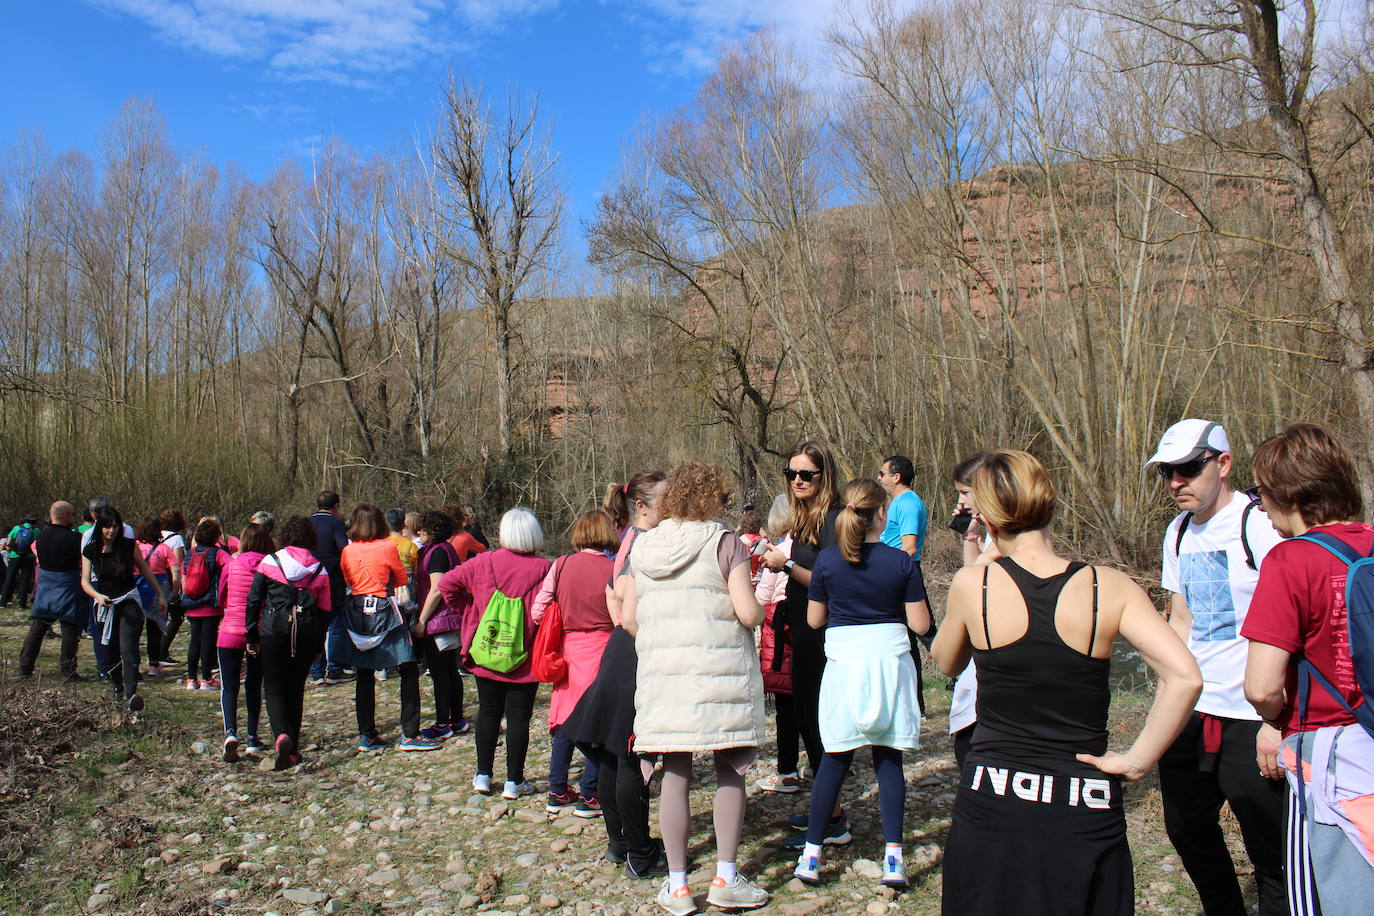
(484, 590)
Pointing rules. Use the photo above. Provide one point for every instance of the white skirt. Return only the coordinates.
(868, 691)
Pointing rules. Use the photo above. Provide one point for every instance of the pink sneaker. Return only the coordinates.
(211, 684)
(192, 684)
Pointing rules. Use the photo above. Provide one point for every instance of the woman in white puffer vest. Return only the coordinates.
(698, 688)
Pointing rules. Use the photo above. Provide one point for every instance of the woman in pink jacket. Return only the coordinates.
(203, 582)
(517, 570)
(232, 642)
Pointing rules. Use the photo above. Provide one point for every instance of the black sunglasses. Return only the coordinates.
(1186, 469)
(806, 476)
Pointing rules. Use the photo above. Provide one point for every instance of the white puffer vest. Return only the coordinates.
(698, 686)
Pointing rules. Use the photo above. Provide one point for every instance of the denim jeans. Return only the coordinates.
(559, 760)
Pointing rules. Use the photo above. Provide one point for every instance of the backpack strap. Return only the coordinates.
(1182, 530)
(1340, 549)
(1245, 534)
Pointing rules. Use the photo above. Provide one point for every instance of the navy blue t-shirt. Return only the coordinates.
(875, 590)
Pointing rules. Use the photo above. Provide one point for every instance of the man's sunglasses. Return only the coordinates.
(807, 476)
(1186, 469)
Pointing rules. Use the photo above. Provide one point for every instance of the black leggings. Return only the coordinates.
(365, 700)
(123, 655)
(448, 683)
(175, 616)
(887, 763)
(231, 661)
(200, 651)
(625, 807)
(516, 703)
(789, 744)
(283, 682)
(808, 665)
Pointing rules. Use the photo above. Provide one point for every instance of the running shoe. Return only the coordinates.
(285, 749)
(231, 748)
(461, 727)
(894, 873)
(836, 834)
(808, 869)
(786, 783)
(192, 684)
(254, 745)
(740, 894)
(560, 802)
(481, 784)
(656, 869)
(419, 743)
(515, 790)
(678, 902)
(437, 732)
(588, 806)
(210, 684)
(370, 743)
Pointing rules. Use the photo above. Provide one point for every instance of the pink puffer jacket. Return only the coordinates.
(239, 577)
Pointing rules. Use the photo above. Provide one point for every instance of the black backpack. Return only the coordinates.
(290, 607)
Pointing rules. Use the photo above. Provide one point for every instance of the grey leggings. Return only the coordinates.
(674, 814)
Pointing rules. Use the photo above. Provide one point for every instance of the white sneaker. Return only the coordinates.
(231, 748)
(740, 894)
(808, 869)
(481, 783)
(894, 873)
(516, 789)
(679, 902)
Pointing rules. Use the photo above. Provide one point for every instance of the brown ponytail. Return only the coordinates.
(616, 502)
(862, 499)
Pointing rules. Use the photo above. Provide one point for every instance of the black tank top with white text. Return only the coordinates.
(1040, 701)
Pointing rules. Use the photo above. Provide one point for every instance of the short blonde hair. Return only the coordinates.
(1013, 492)
(520, 531)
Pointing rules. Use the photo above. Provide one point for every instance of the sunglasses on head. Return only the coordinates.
(1186, 469)
(806, 476)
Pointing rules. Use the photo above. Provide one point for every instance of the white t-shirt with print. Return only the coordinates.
(1211, 574)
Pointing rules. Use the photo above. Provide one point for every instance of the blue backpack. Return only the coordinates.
(1359, 609)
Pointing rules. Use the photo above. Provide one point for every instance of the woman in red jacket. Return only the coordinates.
(516, 570)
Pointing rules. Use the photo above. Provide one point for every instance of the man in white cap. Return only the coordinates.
(1212, 554)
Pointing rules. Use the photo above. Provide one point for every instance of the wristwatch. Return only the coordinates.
(787, 567)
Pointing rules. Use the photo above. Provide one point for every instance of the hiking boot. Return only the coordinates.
(588, 806)
(254, 745)
(515, 790)
(560, 802)
(808, 869)
(368, 744)
(419, 743)
(678, 902)
(481, 784)
(740, 894)
(786, 783)
(231, 748)
(836, 834)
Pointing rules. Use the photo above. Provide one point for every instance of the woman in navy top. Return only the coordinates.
(865, 595)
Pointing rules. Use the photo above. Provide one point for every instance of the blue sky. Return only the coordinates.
(252, 81)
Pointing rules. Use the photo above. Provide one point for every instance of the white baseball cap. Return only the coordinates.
(1189, 439)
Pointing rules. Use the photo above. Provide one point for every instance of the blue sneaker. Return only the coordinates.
(369, 743)
(437, 732)
(461, 727)
(419, 743)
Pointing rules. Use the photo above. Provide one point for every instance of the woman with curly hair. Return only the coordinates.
(692, 612)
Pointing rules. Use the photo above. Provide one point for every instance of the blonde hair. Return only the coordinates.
(1013, 492)
(809, 519)
(862, 500)
(697, 490)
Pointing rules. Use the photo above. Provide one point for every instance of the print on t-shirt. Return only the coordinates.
(1207, 589)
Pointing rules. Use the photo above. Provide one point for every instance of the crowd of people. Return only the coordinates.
(663, 630)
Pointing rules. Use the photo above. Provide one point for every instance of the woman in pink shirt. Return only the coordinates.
(204, 583)
(255, 544)
(166, 569)
(517, 570)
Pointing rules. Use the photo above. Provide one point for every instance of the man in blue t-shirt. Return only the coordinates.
(906, 513)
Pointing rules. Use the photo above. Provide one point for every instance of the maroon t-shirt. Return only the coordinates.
(1299, 606)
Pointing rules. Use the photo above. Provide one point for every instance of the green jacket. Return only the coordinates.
(14, 532)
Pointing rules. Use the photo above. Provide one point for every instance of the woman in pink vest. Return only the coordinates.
(578, 583)
(516, 570)
(255, 544)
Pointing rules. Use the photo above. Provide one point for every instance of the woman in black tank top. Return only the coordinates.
(1038, 824)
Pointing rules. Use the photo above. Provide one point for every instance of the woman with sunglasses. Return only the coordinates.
(814, 495)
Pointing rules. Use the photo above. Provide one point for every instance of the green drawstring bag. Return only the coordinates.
(499, 643)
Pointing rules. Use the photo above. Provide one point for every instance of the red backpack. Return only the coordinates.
(200, 577)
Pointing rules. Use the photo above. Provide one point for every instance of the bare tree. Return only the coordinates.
(504, 206)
